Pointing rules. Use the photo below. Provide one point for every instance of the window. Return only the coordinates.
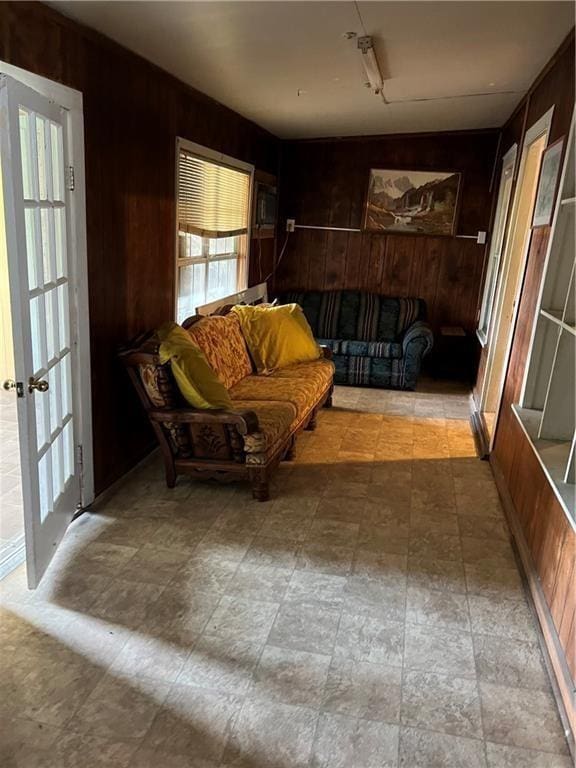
(547, 409)
(213, 209)
(496, 243)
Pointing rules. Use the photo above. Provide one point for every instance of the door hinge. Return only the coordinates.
(70, 178)
(80, 457)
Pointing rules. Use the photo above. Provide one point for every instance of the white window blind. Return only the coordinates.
(213, 198)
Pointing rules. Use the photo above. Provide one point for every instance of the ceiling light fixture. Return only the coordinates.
(370, 63)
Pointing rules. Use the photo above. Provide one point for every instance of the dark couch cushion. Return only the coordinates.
(377, 349)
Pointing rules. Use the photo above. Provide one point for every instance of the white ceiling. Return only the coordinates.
(475, 60)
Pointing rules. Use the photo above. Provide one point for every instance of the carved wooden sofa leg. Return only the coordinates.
(290, 454)
(259, 478)
(170, 472)
(311, 426)
(328, 403)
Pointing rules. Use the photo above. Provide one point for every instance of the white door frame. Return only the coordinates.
(71, 100)
(497, 240)
(540, 128)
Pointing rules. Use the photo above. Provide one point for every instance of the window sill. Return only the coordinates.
(553, 457)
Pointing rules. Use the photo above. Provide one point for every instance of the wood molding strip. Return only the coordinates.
(562, 683)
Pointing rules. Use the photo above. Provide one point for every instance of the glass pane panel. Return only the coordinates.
(191, 289)
(57, 452)
(41, 411)
(34, 269)
(57, 162)
(66, 385)
(63, 317)
(54, 397)
(68, 450)
(46, 245)
(37, 324)
(60, 242)
(45, 477)
(27, 158)
(41, 140)
(52, 337)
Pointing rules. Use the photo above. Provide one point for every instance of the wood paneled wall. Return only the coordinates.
(324, 183)
(133, 113)
(547, 537)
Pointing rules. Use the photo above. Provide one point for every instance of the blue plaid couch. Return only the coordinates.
(376, 341)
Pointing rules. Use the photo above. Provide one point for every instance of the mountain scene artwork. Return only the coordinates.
(412, 202)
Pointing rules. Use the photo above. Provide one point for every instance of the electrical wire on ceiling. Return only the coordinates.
(380, 89)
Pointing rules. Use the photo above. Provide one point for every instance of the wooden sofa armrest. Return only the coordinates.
(326, 352)
(245, 421)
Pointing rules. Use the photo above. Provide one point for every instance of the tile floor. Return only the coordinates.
(11, 519)
(370, 616)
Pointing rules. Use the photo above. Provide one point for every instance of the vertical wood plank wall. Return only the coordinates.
(547, 536)
(324, 183)
(133, 113)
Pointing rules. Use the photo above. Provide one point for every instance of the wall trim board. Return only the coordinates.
(394, 136)
(562, 684)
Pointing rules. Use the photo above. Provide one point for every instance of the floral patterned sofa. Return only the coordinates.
(246, 442)
(376, 341)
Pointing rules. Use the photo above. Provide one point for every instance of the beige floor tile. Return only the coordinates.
(247, 620)
(316, 589)
(258, 582)
(154, 564)
(424, 749)
(120, 709)
(424, 521)
(480, 526)
(126, 602)
(346, 509)
(79, 750)
(272, 552)
(494, 581)
(363, 689)
(437, 574)
(366, 596)
(439, 545)
(440, 609)
(391, 537)
(305, 628)
(441, 703)
(439, 650)
(500, 756)
(325, 558)
(343, 742)
(524, 718)
(389, 569)
(291, 677)
(515, 663)
(502, 617)
(484, 551)
(365, 638)
(150, 657)
(221, 664)
(264, 729)
(193, 721)
(342, 534)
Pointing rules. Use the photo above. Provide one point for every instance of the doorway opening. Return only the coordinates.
(511, 273)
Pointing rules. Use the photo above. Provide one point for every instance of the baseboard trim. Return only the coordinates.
(554, 656)
(14, 556)
(479, 432)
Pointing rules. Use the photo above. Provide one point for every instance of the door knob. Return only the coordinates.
(8, 385)
(38, 384)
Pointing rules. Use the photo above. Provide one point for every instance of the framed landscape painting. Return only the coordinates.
(412, 202)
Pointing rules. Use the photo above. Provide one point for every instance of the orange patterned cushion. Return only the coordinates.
(222, 342)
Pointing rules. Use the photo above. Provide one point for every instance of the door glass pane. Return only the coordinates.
(60, 241)
(54, 398)
(46, 245)
(41, 140)
(41, 412)
(45, 484)
(63, 318)
(68, 449)
(66, 385)
(34, 278)
(37, 327)
(57, 162)
(51, 320)
(57, 452)
(26, 151)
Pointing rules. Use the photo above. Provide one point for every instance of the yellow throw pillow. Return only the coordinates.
(277, 336)
(197, 382)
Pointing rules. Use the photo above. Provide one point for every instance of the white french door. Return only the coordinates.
(44, 318)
